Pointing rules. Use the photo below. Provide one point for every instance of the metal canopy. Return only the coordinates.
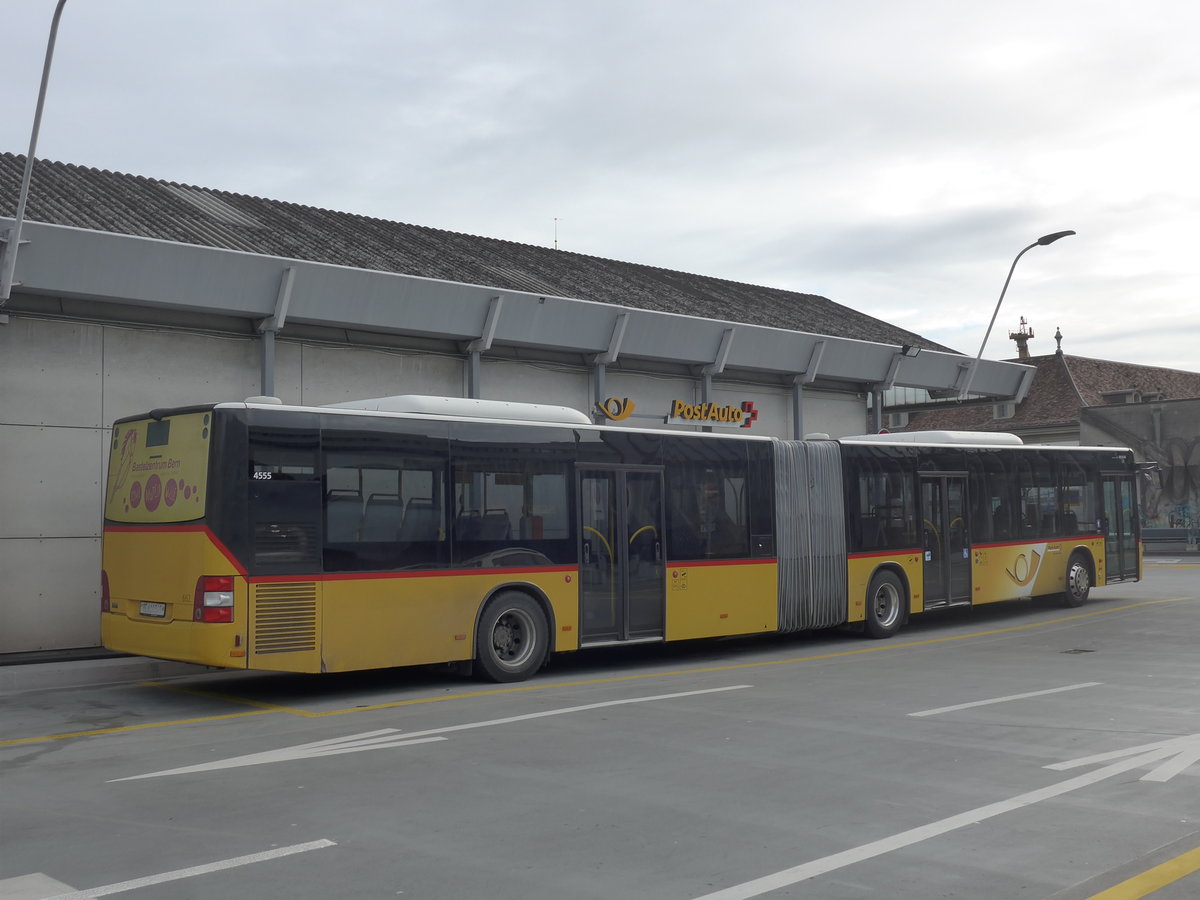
(121, 269)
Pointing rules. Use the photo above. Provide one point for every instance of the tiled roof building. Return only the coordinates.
(1063, 386)
(99, 200)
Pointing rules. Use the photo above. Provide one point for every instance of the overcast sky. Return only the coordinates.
(892, 155)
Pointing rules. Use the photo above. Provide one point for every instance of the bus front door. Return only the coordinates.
(1120, 529)
(622, 570)
(947, 567)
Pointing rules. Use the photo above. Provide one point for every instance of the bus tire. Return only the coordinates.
(512, 637)
(1079, 580)
(885, 605)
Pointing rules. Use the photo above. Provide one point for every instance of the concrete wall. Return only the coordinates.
(64, 382)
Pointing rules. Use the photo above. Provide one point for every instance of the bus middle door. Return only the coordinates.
(622, 568)
(947, 567)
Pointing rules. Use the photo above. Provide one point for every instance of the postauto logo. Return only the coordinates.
(683, 413)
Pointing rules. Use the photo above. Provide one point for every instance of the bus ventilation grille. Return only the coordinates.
(285, 618)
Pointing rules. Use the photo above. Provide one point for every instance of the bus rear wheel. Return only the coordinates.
(512, 637)
(1079, 581)
(885, 605)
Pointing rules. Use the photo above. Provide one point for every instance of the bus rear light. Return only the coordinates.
(105, 597)
(214, 599)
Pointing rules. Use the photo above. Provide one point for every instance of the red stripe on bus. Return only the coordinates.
(1075, 538)
(423, 573)
(695, 563)
(991, 545)
(911, 551)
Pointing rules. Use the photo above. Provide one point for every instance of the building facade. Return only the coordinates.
(134, 294)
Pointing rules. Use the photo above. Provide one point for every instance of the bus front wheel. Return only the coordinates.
(512, 637)
(1079, 581)
(885, 605)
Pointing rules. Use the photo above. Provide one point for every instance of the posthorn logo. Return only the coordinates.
(616, 409)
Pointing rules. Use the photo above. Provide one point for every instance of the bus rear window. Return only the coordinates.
(158, 434)
(158, 470)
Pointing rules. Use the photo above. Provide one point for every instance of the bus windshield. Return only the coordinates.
(158, 469)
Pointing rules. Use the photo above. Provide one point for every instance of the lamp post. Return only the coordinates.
(14, 233)
(1040, 242)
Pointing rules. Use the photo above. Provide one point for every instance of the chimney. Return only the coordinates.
(1022, 338)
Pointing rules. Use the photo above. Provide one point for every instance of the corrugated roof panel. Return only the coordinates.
(80, 197)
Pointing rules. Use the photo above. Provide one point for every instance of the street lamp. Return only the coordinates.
(1040, 242)
(14, 233)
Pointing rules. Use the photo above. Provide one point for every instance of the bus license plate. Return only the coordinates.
(158, 610)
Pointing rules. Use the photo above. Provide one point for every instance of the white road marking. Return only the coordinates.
(1183, 747)
(34, 886)
(1057, 690)
(391, 737)
(192, 871)
(353, 743)
(1185, 751)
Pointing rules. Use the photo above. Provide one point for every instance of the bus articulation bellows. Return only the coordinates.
(407, 531)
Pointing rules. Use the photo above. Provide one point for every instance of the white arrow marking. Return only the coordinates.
(1182, 747)
(191, 872)
(392, 737)
(352, 743)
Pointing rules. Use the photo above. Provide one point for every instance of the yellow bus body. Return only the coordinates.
(999, 572)
(280, 623)
(1015, 571)
(861, 567)
(395, 619)
(715, 600)
(159, 565)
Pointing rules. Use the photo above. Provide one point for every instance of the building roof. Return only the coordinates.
(100, 200)
(1062, 386)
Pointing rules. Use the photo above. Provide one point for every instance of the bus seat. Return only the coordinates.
(420, 520)
(495, 526)
(1070, 523)
(467, 526)
(381, 518)
(343, 515)
(1001, 523)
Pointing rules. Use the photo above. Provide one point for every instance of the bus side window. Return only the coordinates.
(381, 518)
(421, 520)
(510, 509)
(343, 515)
(285, 498)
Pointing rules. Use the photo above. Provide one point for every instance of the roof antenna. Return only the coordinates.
(556, 232)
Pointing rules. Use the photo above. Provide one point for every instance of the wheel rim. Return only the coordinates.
(1079, 581)
(513, 638)
(886, 605)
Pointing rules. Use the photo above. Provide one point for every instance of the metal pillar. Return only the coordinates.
(476, 348)
(877, 409)
(271, 326)
(716, 367)
(797, 409)
(601, 362)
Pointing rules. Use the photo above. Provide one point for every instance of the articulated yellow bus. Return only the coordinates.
(407, 531)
